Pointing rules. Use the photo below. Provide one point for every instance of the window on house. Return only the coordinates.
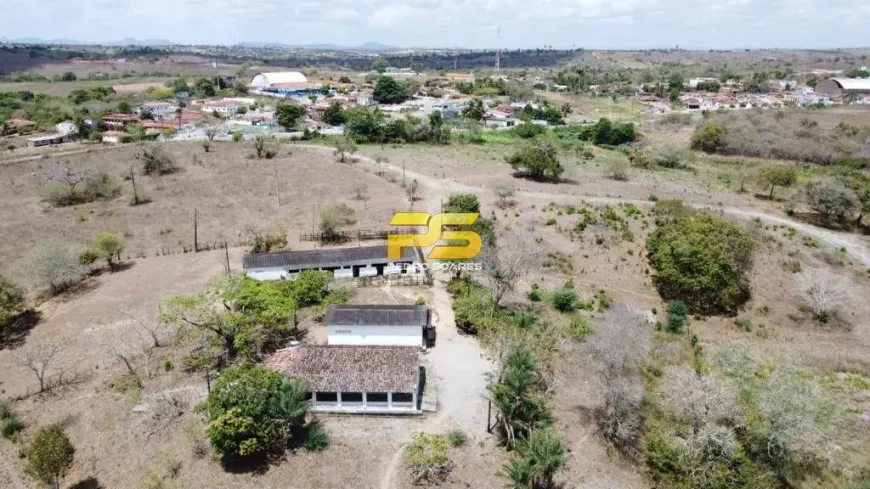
(327, 397)
(351, 397)
(402, 397)
(376, 397)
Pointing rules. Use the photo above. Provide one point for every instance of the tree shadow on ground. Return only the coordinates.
(255, 464)
(14, 334)
(532, 178)
(89, 483)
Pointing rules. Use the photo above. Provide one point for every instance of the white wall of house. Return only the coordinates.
(374, 335)
(267, 274)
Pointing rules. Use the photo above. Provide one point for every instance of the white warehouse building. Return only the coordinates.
(378, 325)
(363, 261)
(265, 80)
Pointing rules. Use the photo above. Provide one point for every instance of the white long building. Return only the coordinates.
(363, 261)
(377, 325)
(263, 81)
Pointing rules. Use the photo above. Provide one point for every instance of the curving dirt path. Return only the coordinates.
(835, 239)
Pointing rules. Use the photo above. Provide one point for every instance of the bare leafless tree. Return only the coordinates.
(38, 359)
(211, 132)
(823, 292)
(620, 343)
(505, 264)
(361, 191)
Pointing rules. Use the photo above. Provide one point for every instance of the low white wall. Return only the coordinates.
(375, 335)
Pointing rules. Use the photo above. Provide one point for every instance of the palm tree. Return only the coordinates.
(566, 109)
(519, 397)
(540, 456)
(292, 403)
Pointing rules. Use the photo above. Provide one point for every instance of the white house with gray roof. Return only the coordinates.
(377, 325)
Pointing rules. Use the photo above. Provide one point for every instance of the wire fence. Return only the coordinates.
(346, 236)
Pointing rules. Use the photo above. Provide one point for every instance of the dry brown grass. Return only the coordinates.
(227, 187)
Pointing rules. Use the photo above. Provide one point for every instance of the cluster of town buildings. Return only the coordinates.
(370, 363)
(732, 95)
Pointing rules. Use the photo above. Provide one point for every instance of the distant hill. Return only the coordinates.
(369, 46)
(72, 42)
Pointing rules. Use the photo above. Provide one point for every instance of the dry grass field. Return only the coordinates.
(229, 189)
(125, 437)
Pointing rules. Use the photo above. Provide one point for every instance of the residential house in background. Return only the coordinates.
(120, 121)
(48, 140)
(159, 110)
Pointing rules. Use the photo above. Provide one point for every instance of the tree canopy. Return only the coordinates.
(538, 160)
(389, 91)
(253, 410)
(288, 114)
(703, 261)
(49, 455)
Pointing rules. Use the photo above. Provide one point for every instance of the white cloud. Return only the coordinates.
(656, 23)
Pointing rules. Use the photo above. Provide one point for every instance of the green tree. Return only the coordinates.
(388, 91)
(833, 200)
(538, 160)
(777, 175)
(539, 458)
(288, 114)
(677, 316)
(333, 218)
(180, 85)
(380, 65)
(710, 138)
(238, 316)
(12, 302)
(68, 76)
(252, 411)
(703, 261)
(519, 397)
(462, 203)
(49, 456)
(474, 110)
(334, 114)
(109, 247)
(204, 88)
(676, 82)
(124, 107)
(344, 149)
(345, 79)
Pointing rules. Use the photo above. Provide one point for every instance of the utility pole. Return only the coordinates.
(277, 185)
(227, 252)
(498, 50)
(133, 182)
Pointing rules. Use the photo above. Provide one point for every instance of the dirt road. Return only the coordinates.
(851, 242)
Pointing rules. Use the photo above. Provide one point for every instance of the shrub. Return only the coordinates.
(457, 438)
(534, 294)
(237, 136)
(12, 303)
(49, 455)
(10, 425)
(677, 317)
(316, 438)
(333, 218)
(564, 298)
(833, 200)
(703, 261)
(52, 264)
(539, 161)
(529, 130)
(108, 246)
(462, 203)
(579, 329)
(88, 257)
(426, 458)
(155, 161)
(618, 170)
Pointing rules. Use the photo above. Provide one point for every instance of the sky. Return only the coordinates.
(591, 24)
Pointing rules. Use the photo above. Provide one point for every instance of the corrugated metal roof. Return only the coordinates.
(323, 257)
(350, 368)
(377, 315)
(853, 83)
